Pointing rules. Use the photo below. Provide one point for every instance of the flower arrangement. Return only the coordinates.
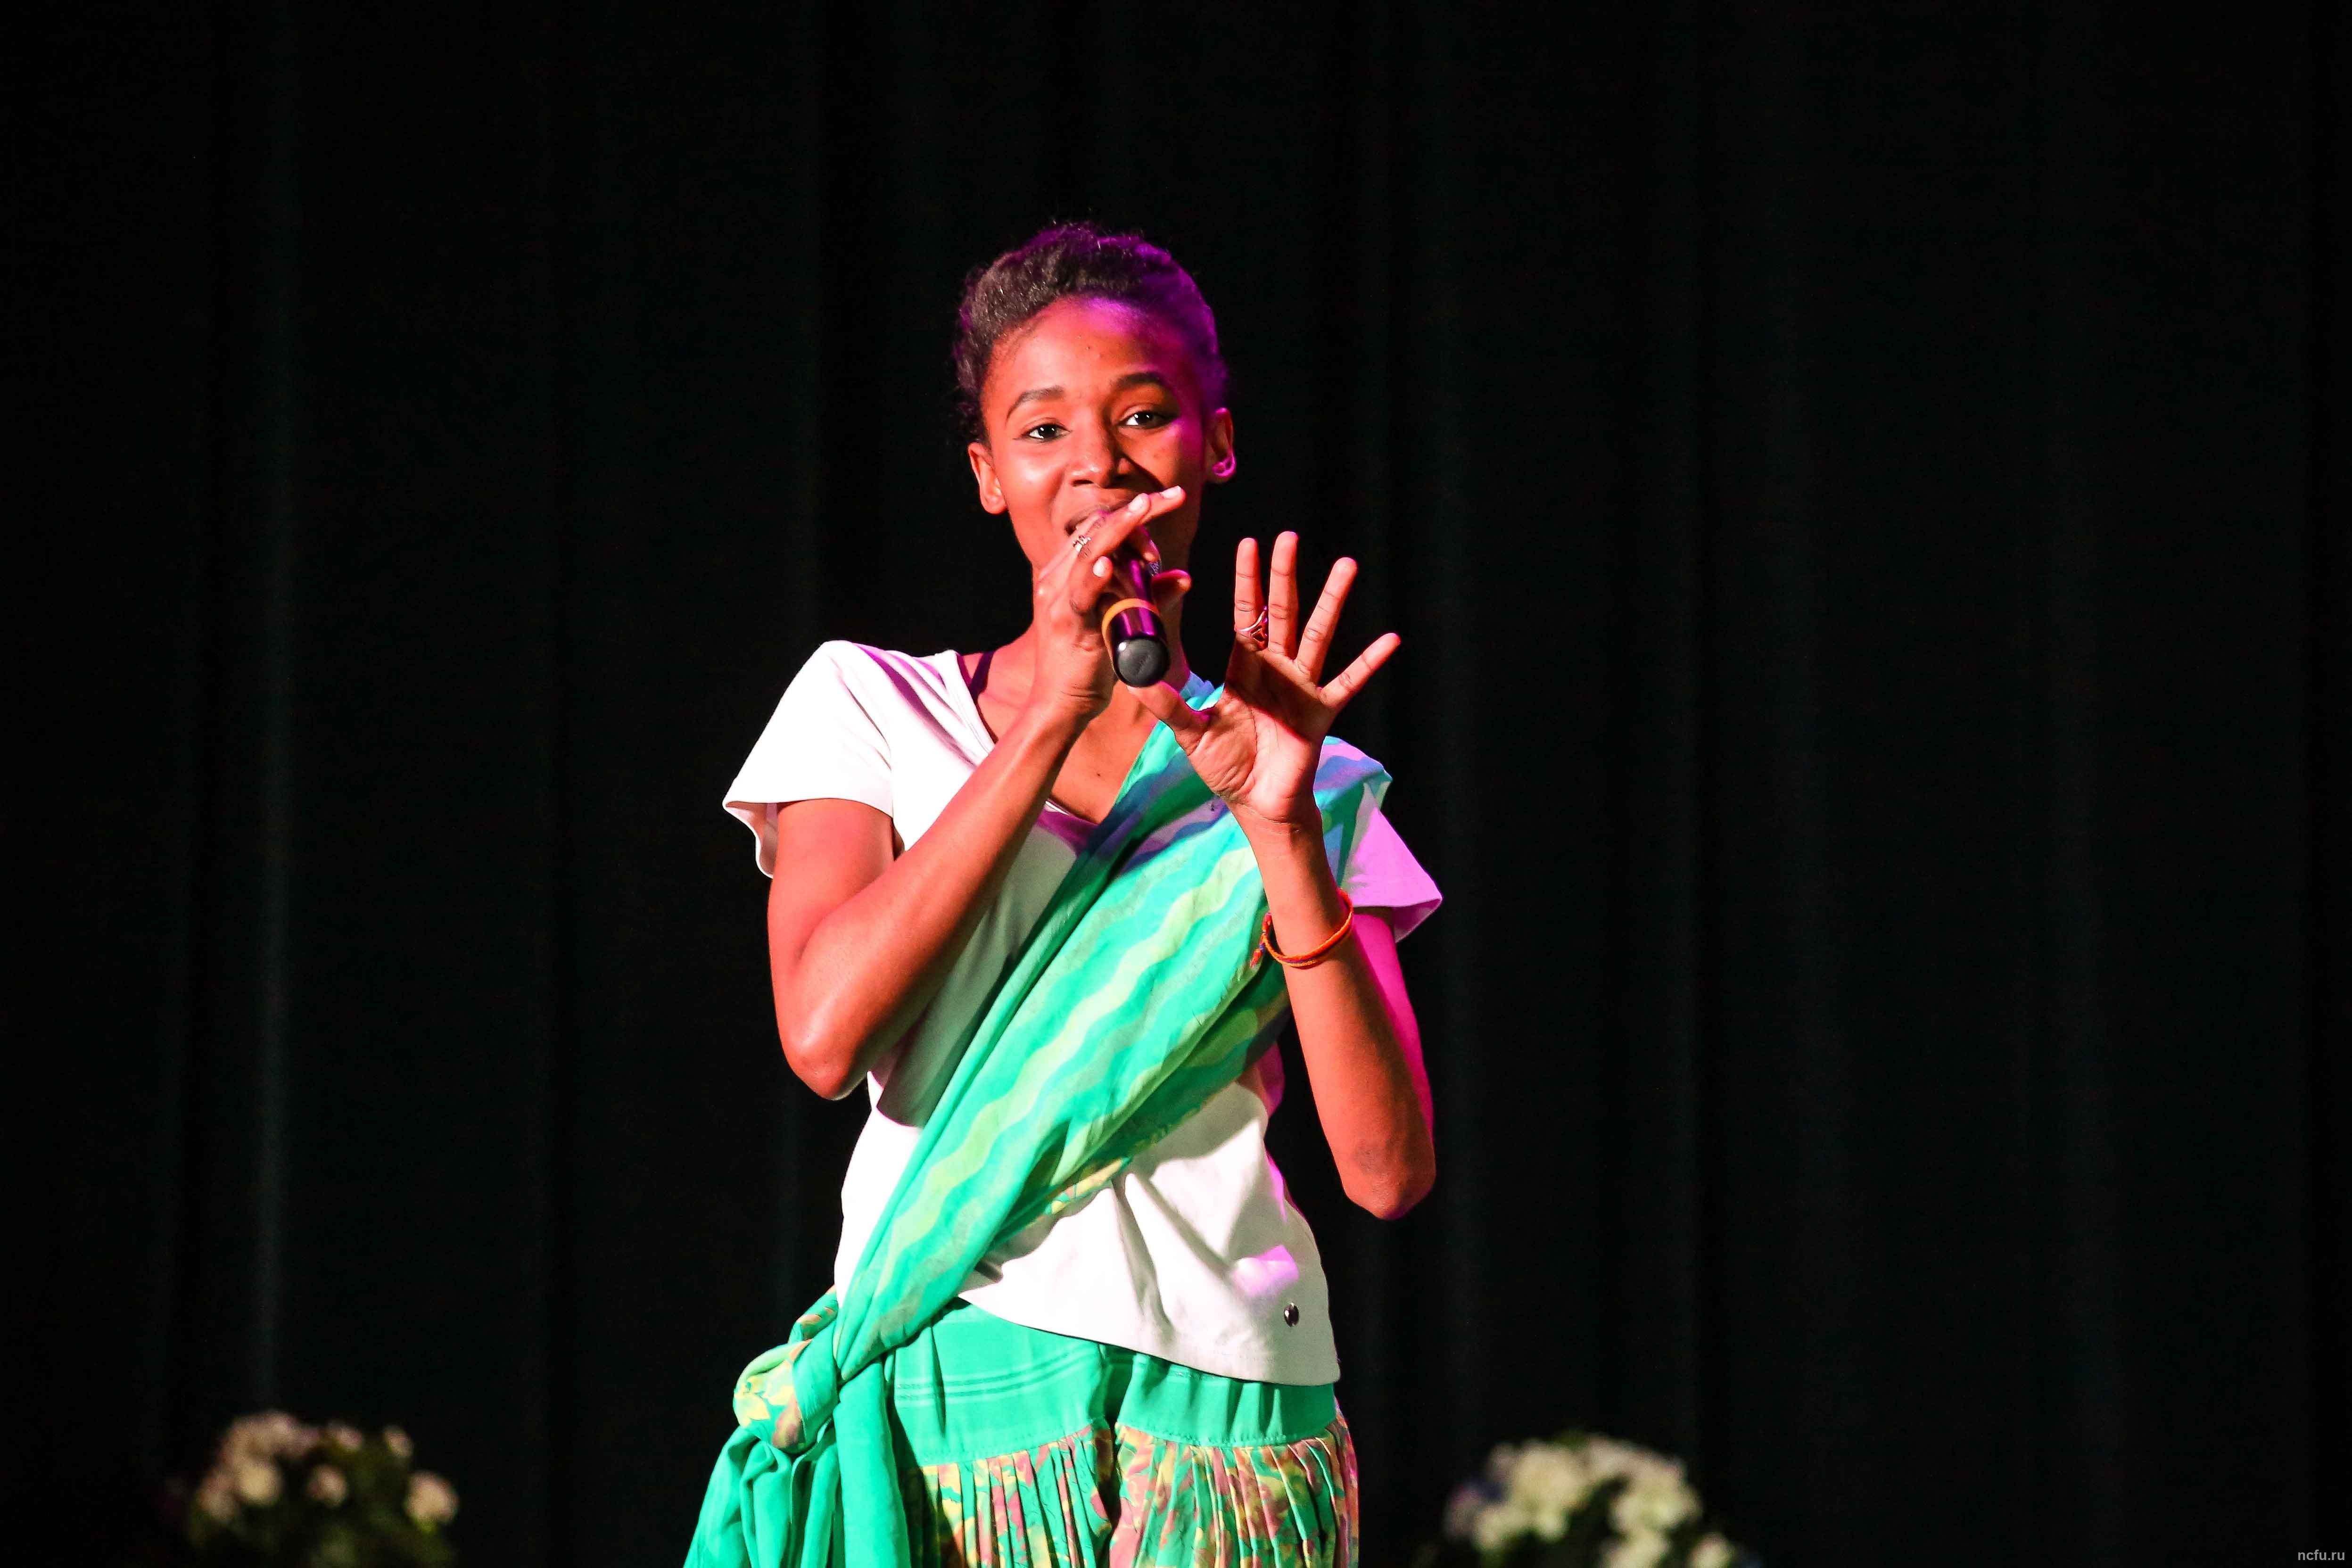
(290, 1496)
(1584, 1501)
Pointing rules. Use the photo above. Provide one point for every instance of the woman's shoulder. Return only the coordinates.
(882, 674)
(854, 723)
(851, 657)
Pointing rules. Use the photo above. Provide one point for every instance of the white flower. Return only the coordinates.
(257, 1481)
(1463, 1507)
(217, 1496)
(327, 1486)
(1611, 1458)
(1553, 1483)
(271, 1434)
(432, 1502)
(247, 1438)
(1534, 1490)
(1501, 1463)
(1642, 1549)
(1712, 1551)
(1497, 1526)
(344, 1436)
(1657, 1499)
(397, 1441)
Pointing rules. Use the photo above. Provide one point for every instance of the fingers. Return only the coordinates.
(1167, 704)
(1350, 680)
(1314, 642)
(1246, 598)
(1282, 596)
(1112, 530)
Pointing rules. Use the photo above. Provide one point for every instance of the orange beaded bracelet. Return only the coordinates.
(1320, 951)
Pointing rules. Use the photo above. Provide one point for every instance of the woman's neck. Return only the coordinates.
(1104, 750)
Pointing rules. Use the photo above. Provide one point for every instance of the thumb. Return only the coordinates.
(1167, 704)
(1167, 587)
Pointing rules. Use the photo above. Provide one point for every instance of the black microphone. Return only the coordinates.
(1139, 642)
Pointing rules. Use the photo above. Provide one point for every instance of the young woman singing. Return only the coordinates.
(1054, 924)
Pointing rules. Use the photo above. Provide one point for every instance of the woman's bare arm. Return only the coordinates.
(858, 941)
(1357, 1033)
(1258, 749)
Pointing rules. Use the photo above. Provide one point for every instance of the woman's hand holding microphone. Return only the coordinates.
(1074, 676)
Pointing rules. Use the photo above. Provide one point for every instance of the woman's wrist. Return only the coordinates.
(1292, 831)
(1297, 876)
(1055, 720)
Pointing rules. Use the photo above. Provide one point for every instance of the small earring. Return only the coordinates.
(1221, 469)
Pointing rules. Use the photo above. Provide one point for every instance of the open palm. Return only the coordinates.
(1257, 748)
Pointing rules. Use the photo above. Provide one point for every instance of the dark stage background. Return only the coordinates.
(1863, 487)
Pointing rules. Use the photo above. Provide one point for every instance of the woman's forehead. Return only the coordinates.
(1080, 342)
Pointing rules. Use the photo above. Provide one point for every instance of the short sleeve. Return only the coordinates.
(821, 743)
(1384, 875)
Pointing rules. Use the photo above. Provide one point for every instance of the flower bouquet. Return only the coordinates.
(1584, 1501)
(290, 1496)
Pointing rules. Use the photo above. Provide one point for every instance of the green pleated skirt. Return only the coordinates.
(1023, 1446)
(1027, 1450)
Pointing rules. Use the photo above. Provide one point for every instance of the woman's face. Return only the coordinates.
(1091, 405)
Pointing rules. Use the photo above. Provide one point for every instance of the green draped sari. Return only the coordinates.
(1139, 993)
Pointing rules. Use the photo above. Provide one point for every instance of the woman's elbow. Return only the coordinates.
(828, 1070)
(1393, 1191)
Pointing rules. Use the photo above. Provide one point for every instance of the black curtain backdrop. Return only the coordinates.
(1864, 490)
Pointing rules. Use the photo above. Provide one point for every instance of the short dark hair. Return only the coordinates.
(1077, 261)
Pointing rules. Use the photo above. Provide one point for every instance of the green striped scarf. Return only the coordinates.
(1137, 995)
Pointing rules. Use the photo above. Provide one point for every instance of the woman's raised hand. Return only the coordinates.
(1257, 748)
(1074, 671)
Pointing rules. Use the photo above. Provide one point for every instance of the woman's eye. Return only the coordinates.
(1147, 418)
(1045, 432)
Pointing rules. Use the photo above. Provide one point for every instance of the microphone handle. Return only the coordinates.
(1139, 642)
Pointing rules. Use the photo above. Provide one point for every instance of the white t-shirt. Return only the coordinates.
(1194, 1254)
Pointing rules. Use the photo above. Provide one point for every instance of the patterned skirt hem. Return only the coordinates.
(1113, 1497)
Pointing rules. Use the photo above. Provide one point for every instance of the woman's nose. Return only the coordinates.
(1092, 453)
(1097, 457)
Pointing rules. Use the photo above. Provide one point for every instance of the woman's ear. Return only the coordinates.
(1221, 446)
(984, 475)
